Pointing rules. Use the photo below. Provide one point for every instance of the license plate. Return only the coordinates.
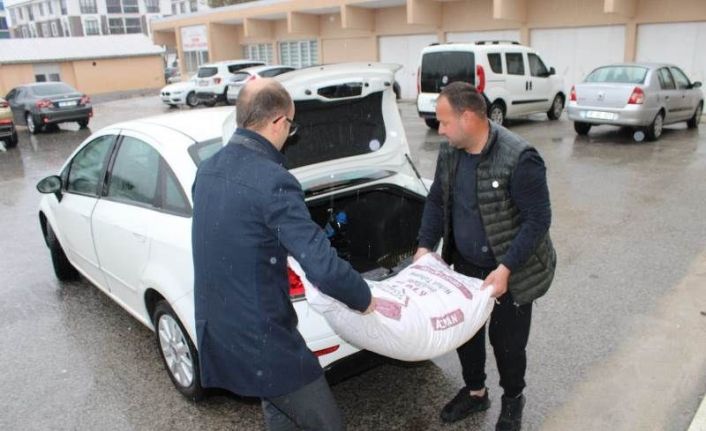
(67, 104)
(600, 115)
(203, 83)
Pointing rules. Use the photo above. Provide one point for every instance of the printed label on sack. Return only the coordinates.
(446, 321)
(453, 282)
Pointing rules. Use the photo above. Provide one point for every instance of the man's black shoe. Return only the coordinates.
(463, 404)
(511, 414)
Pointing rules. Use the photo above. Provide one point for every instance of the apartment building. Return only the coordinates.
(67, 18)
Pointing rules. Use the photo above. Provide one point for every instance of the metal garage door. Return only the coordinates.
(475, 36)
(681, 44)
(574, 52)
(405, 50)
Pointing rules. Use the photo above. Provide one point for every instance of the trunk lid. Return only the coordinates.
(602, 95)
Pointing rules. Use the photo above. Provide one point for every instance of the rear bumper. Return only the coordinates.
(7, 130)
(426, 105)
(630, 115)
(63, 116)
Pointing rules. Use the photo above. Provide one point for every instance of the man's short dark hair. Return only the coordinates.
(255, 108)
(462, 96)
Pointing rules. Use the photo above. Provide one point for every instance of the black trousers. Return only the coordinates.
(508, 332)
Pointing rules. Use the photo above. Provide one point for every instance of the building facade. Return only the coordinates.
(67, 18)
(4, 28)
(573, 36)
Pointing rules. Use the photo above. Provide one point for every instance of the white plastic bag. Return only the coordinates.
(423, 312)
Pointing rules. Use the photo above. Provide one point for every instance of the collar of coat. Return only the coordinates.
(258, 143)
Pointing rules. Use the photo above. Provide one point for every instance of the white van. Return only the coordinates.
(512, 77)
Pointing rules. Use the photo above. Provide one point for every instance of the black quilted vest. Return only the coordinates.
(501, 218)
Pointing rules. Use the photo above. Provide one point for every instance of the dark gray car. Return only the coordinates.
(42, 104)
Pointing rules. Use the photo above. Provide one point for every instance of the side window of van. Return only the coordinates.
(495, 62)
(515, 65)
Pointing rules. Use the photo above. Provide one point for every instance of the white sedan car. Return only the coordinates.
(119, 210)
(180, 93)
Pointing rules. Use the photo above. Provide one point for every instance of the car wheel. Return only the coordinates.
(177, 351)
(582, 128)
(63, 269)
(191, 100)
(496, 113)
(654, 130)
(31, 125)
(83, 123)
(693, 122)
(12, 142)
(432, 123)
(557, 107)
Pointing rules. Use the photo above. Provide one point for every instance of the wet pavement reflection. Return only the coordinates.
(627, 222)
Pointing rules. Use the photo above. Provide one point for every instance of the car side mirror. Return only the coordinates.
(51, 184)
(696, 84)
(552, 71)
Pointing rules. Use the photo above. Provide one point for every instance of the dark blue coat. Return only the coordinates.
(249, 214)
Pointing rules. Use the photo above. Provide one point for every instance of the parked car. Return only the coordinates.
(170, 73)
(180, 93)
(644, 96)
(119, 210)
(42, 104)
(213, 79)
(8, 133)
(241, 77)
(513, 79)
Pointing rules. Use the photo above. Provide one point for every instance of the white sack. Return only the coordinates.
(423, 312)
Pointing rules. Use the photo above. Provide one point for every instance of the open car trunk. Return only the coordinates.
(381, 230)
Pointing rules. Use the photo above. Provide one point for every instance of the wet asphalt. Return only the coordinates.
(628, 225)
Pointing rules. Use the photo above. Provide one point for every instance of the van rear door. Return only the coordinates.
(439, 69)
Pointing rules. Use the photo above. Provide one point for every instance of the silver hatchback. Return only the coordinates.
(644, 96)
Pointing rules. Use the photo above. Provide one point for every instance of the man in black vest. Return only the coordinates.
(249, 214)
(490, 204)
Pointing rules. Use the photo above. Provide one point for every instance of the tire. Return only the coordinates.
(83, 123)
(178, 353)
(12, 142)
(557, 107)
(582, 128)
(191, 100)
(31, 125)
(654, 130)
(432, 123)
(63, 269)
(496, 113)
(693, 122)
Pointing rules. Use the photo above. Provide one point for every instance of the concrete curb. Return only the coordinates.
(699, 421)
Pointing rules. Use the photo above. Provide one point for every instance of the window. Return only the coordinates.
(40, 78)
(40, 6)
(454, 65)
(91, 26)
(193, 5)
(29, 13)
(681, 79)
(152, 6)
(113, 6)
(665, 79)
(134, 176)
(515, 64)
(620, 74)
(299, 54)
(133, 25)
(261, 52)
(174, 9)
(193, 59)
(54, 29)
(55, 77)
(45, 29)
(182, 7)
(86, 169)
(116, 26)
(12, 16)
(130, 6)
(25, 32)
(88, 6)
(495, 62)
(50, 9)
(63, 7)
(65, 25)
(537, 67)
(174, 199)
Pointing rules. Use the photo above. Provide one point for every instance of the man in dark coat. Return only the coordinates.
(249, 214)
(490, 203)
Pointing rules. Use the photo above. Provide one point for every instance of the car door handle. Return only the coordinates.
(138, 237)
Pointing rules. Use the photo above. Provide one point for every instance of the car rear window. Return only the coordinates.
(206, 72)
(201, 151)
(51, 89)
(241, 76)
(618, 74)
(442, 68)
(330, 130)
